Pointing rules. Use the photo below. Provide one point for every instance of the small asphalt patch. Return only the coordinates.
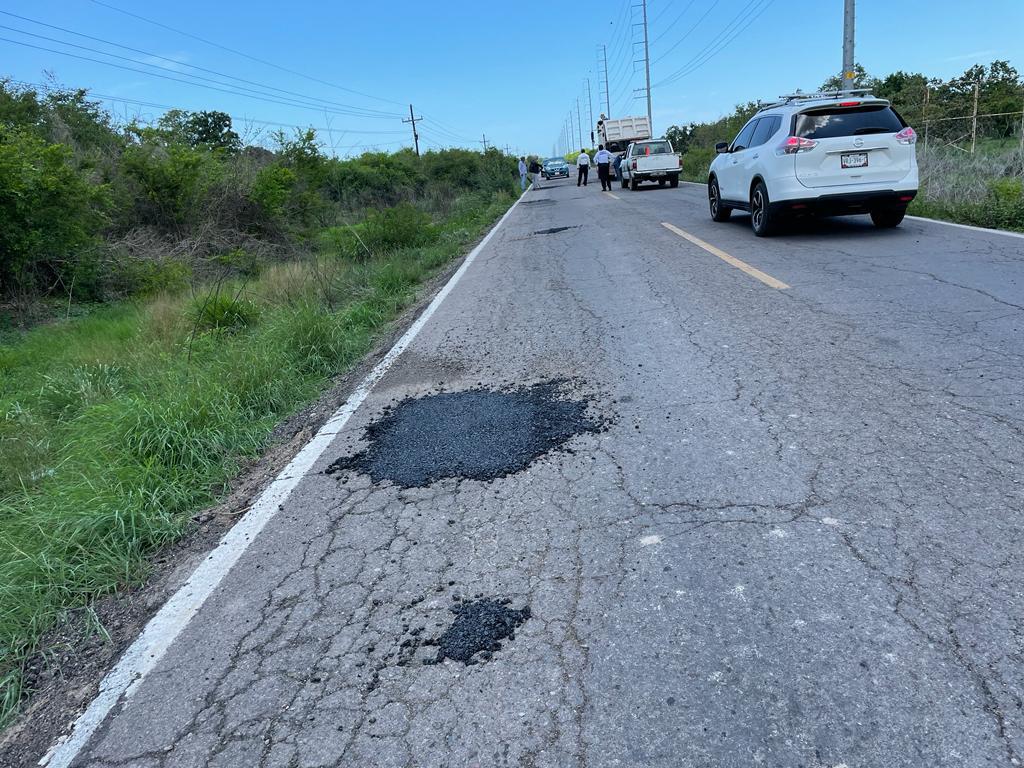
(478, 630)
(554, 230)
(477, 434)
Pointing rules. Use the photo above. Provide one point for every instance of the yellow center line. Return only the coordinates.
(752, 271)
(612, 195)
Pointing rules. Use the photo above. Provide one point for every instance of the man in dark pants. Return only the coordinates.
(603, 158)
(583, 164)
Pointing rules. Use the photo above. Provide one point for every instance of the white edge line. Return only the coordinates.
(986, 230)
(147, 650)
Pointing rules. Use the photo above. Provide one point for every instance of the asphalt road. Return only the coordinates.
(797, 540)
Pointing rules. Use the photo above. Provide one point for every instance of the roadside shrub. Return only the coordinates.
(172, 184)
(404, 226)
(50, 214)
(696, 162)
(221, 311)
(272, 189)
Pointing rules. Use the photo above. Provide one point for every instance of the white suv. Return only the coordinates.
(828, 154)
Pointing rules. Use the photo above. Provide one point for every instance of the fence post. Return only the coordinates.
(974, 119)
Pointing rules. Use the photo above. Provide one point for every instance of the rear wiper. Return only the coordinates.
(872, 129)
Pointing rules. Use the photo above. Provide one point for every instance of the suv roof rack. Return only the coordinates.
(791, 97)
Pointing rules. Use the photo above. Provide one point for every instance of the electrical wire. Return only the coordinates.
(703, 58)
(675, 21)
(291, 94)
(191, 82)
(688, 32)
(243, 54)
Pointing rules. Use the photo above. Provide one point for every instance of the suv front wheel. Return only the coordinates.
(719, 212)
(762, 220)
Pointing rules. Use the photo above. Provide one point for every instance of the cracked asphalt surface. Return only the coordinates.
(798, 543)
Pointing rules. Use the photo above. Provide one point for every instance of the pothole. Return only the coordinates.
(477, 434)
(554, 230)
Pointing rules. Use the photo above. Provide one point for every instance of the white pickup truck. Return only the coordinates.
(652, 160)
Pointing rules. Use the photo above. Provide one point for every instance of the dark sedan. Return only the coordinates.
(555, 168)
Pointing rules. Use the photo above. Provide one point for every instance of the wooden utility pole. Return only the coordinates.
(415, 136)
(484, 142)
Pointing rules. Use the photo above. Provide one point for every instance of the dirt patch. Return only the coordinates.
(478, 434)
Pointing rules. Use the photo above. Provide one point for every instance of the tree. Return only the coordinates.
(212, 129)
(680, 136)
(861, 79)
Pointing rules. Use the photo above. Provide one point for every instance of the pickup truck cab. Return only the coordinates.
(652, 160)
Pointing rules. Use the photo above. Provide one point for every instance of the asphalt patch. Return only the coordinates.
(477, 434)
(479, 628)
(554, 230)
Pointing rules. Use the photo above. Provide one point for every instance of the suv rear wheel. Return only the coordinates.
(761, 218)
(887, 218)
(719, 212)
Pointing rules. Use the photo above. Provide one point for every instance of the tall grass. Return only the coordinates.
(115, 428)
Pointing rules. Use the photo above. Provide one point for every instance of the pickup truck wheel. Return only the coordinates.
(762, 221)
(661, 182)
(719, 212)
(633, 183)
(673, 181)
(625, 182)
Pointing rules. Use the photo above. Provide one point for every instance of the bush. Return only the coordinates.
(221, 311)
(272, 189)
(49, 211)
(404, 226)
(172, 184)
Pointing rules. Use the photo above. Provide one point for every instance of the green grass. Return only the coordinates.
(116, 427)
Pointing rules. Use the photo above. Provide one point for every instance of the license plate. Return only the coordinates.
(859, 160)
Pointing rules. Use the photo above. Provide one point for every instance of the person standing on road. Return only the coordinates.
(535, 170)
(603, 158)
(522, 173)
(618, 166)
(583, 167)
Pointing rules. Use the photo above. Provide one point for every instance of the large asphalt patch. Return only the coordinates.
(478, 434)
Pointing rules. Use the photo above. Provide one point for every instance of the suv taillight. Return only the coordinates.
(906, 136)
(795, 144)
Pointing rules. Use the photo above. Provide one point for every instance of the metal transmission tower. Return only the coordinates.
(590, 104)
(415, 136)
(848, 33)
(647, 66)
(579, 122)
(604, 68)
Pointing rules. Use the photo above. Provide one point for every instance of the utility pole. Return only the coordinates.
(579, 122)
(484, 142)
(849, 72)
(607, 98)
(974, 119)
(572, 129)
(415, 136)
(647, 68)
(590, 103)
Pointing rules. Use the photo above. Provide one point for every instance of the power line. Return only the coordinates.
(172, 61)
(688, 32)
(703, 58)
(245, 55)
(188, 82)
(234, 118)
(675, 21)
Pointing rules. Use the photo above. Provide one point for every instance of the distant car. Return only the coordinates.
(829, 154)
(555, 168)
(652, 160)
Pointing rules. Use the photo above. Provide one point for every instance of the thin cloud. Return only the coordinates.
(972, 55)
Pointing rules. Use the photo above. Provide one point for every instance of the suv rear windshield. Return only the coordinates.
(831, 122)
(653, 148)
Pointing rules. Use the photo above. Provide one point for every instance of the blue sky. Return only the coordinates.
(509, 70)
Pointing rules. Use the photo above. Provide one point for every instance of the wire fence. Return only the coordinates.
(960, 157)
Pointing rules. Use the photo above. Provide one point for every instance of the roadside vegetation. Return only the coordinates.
(167, 296)
(984, 187)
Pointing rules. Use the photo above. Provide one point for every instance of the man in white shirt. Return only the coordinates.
(603, 158)
(583, 166)
(522, 173)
